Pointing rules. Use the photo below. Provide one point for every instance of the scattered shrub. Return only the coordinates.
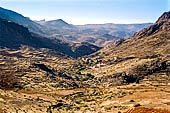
(8, 80)
(132, 101)
(78, 73)
(137, 105)
(90, 75)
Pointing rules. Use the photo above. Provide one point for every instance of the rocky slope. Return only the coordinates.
(163, 23)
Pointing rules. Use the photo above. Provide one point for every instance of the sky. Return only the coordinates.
(80, 12)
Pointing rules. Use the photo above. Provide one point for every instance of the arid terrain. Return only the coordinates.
(43, 82)
(127, 76)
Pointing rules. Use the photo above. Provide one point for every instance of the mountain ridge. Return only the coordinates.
(55, 24)
(161, 24)
(20, 19)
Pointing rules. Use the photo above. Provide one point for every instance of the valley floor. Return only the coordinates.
(36, 81)
(118, 99)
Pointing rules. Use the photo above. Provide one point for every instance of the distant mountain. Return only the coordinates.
(40, 21)
(55, 24)
(13, 35)
(97, 34)
(117, 30)
(20, 19)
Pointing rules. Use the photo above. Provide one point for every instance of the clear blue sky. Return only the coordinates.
(90, 11)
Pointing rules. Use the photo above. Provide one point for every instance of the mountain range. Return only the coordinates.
(99, 35)
(13, 35)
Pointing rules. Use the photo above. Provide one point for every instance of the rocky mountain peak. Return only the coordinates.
(162, 24)
(165, 17)
(60, 20)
